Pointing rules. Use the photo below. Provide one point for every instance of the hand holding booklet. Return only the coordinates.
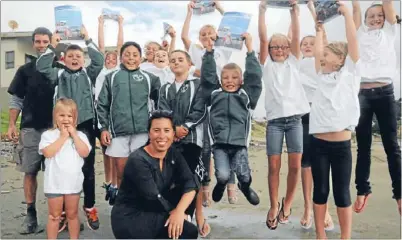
(284, 4)
(110, 14)
(232, 26)
(203, 7)
(326, 10)
(166, 27)
(68, 22)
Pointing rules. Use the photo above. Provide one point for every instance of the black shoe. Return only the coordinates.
(113, 195)
(107, 188)
(30, 225)
(218, 191)
(249, 193)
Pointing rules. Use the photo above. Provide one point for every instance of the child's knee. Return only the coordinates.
(222, 176)
(54, 217)
(320, 195)
(72, 215)
(342, 196)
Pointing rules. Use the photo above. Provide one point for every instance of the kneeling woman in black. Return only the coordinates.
(156, 189)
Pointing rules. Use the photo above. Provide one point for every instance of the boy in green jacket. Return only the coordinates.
(77, 82)
(231, 105)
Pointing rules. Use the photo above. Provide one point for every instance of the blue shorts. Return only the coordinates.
(55, 195)
(289, 127)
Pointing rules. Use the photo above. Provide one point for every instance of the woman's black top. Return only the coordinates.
(147, 188)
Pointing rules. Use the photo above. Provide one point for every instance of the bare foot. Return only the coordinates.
(206, 201)
(328, 223)
(360, 203)
(307, 220)
(399, 205)
(232, 196)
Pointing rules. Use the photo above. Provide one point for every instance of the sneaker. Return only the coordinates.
(92, 218)
(113, 195)
(218, 191)
(107, 187)
(63, 222)
(30, 224)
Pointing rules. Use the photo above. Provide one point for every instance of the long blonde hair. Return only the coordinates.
(63, 103)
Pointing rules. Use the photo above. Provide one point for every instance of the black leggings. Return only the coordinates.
(88, 169)
(337, 157)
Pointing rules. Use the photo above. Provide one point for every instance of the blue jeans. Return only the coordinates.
(292, 128)
(379, 101)
(229, 159)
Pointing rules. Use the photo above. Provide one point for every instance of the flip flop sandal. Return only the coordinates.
(203, 226)
(285, 218)
(272, 224)
(308, 223)
(329, 227)
(359, 210)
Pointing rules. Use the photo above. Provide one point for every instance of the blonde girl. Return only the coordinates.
(377, 36)
(64, 149)
(285, 103)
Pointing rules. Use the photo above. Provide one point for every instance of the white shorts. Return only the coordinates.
(124, 145)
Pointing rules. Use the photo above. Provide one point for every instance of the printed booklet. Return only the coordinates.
(166, 27)
(284, 4)
(110, 14)
(326, 10)
(203, 7)
(68, 22)
(232, 26)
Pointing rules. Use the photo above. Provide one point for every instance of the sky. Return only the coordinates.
(143, 21)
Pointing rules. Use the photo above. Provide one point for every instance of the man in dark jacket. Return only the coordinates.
(31, 92)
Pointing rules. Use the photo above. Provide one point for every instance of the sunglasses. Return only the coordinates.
(279, 47)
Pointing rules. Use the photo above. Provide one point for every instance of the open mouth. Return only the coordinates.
(75, 64)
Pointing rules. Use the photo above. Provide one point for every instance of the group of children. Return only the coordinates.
(312, 98)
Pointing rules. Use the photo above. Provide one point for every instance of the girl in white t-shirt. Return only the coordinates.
(150, 49)
(285, 103)
(377, 36)
(64, 149)
(196, 52)
(334, 114)
(112, 63)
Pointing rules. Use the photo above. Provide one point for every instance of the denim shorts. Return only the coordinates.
(289, 127)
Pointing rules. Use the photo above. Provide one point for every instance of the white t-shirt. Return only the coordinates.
(63, 172)
(146, 65)
(308, 77)
(101, 79)
(197, 53)
(284, 94)
(377, 53)
(335, 105)
(165, 74)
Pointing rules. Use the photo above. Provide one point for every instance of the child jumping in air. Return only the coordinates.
(285, 103)
(334, 114)
(112, 63)
(77, 82)
(231, 105)
(64, 148)
(376, 37)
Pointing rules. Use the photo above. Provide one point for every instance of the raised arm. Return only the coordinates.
(101, 34)
(351, 36)
(97, 58)
(295, 23)
(311, 8)
(319, 46)
(357, 13)
(120, 35)
(219, 7)
(389, 11)
(209, 77)
(185, 32)
(44, 64)
(262, 32)
(290, 26)
(172, 34)
(253, 74)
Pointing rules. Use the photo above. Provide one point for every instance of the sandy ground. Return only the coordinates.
(380, 220)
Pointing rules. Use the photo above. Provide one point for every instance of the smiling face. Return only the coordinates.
(150, 51)
(111, 60)
(331, 62)
(161, 59)
(279, 48)
(161, 134)
(179, 63)
(74, 59)
(40, 43)
(231, 78)
(307, 46)
(206, 33)
(375, 17)
(131, 58)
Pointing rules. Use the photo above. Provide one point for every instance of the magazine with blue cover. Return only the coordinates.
(68, 22)
(110, 14)
(232, 26)
(326, 10)
(203, 7)
(284, 4)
